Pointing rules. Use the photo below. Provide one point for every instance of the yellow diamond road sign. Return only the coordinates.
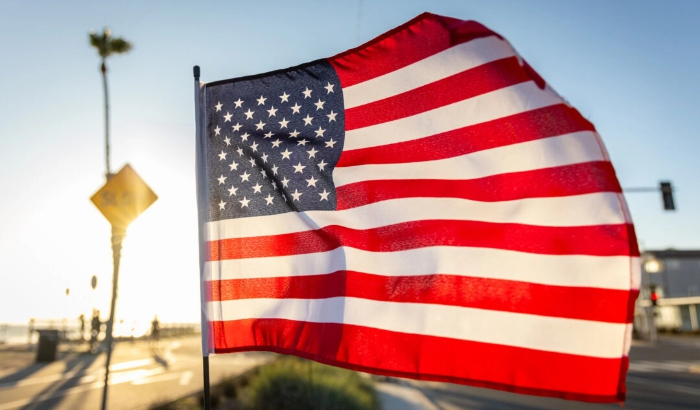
(124, 197)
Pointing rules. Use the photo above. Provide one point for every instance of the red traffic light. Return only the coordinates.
(654, 298)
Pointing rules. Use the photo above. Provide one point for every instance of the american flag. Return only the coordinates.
(422, 206)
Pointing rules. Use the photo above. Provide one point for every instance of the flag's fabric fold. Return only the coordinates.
(423, 206)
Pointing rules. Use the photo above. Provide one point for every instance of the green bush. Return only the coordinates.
(294, 384)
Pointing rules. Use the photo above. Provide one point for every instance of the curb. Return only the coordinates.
(398, 394)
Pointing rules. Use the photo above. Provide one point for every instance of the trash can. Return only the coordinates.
(48, 344)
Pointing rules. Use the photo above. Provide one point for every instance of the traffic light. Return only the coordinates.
(667, 196)
(654, 297)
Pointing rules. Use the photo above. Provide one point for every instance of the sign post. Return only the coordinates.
(121, 200)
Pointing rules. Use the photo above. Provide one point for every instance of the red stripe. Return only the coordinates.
(528, 126)
(577, 179)
(389, 353)
(601, 240)
(603, 305)
(467, 84)
(419, 38)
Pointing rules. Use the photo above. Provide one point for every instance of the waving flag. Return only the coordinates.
(422, 206)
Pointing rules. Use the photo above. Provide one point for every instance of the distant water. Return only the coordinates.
(14, 334)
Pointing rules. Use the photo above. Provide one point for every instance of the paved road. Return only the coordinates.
(140, 375)
(663, 376)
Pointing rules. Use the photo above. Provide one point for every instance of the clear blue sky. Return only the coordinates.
(628, 66)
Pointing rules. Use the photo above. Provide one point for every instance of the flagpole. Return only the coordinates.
(118, 234)
(201, 205)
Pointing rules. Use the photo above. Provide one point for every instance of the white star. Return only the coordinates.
(244, 136)
(286, 154)
(307, 93)
(276, 143)
(319, 104)
(312, 182)
(294, 134)
(217, 130)
(233, 165)
(264, 158)
(284, 97)
(222, 180)
(227, 140)
(240, 151)
(264, 175)
(274, 185)
(302, 142)
(269, 199)
(324, 195)
(274, 169)
(284, 182)
(249, 114)
(308, 119)
(261, 100)
(218, 106)
(252, 162)
(260, 125)
(244, 202)
(269, 134)
(283, 123)
(331, 143)
(295, 108)
(299, 168)
(312, 153)
(222, 156)
(272, 111)
(331, 116)
(238, 103)
(232, 191)
(322, 165)
(222, 205)
(329, 88)
(237, 126)
(256, 188)
(296, 194)
(319, 132)
(227, 117)
(244, 176)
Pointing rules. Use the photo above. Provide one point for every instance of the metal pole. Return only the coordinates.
(207, 393)
(118, 235)
(201, 205)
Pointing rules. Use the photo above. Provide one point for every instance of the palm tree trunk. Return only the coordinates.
(104, 83)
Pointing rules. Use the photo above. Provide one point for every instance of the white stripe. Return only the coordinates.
(604, 272)
(571, 336)
(511, 100)
(452, 61)
(600, 208)
(558, 151)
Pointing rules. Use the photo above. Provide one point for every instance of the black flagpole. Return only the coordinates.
(205, 356)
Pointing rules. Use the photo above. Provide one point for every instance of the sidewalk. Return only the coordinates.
(396, 394)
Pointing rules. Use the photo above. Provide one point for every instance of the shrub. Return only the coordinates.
(294, 384)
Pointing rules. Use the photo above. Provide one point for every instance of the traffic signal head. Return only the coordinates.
(654, 297)
(667, 196)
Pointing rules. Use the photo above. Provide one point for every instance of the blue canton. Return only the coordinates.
(273, 141)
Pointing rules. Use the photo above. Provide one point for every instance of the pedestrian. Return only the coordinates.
(95, 329)
(81, 318)
(155, 330)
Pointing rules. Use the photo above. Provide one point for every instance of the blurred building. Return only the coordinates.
(671, 279)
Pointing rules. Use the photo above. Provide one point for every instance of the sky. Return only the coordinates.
(630, 67)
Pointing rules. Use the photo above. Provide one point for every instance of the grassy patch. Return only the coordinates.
(291, 383)
(288, 383)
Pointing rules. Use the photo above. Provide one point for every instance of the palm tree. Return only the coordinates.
(106, 45)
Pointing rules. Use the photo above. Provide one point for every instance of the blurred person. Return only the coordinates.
(96, 326)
